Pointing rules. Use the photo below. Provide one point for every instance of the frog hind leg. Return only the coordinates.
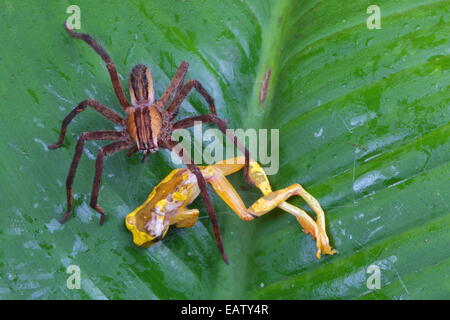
(317, 229)
(271, 200)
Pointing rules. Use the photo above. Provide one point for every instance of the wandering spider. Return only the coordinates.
(147, 126)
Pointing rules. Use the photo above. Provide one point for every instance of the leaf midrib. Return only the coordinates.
(272, 42)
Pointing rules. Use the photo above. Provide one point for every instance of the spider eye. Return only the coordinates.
(140, 85)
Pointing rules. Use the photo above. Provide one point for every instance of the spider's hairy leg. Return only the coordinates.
(204, 194)
(104, 151)
(182, 94)
(175, 83)
(132, 151)
(222, 125)
(85, 136)
(209, 207)
(105, 111)
(135, 149)
(109, 64)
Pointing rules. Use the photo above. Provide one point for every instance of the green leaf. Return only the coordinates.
(364, 126)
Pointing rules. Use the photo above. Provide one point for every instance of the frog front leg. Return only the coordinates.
(185, 218)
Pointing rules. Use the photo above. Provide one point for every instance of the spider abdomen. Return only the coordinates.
(140, 84)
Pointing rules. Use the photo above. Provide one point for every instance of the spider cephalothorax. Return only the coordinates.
(147, 126)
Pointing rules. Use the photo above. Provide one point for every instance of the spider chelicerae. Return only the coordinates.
(147, 126)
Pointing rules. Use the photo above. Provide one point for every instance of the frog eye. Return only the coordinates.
(140, 237)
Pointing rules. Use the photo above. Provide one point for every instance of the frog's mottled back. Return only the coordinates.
(150, 221)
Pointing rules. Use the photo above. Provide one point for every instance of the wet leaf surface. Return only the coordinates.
(364, 126)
